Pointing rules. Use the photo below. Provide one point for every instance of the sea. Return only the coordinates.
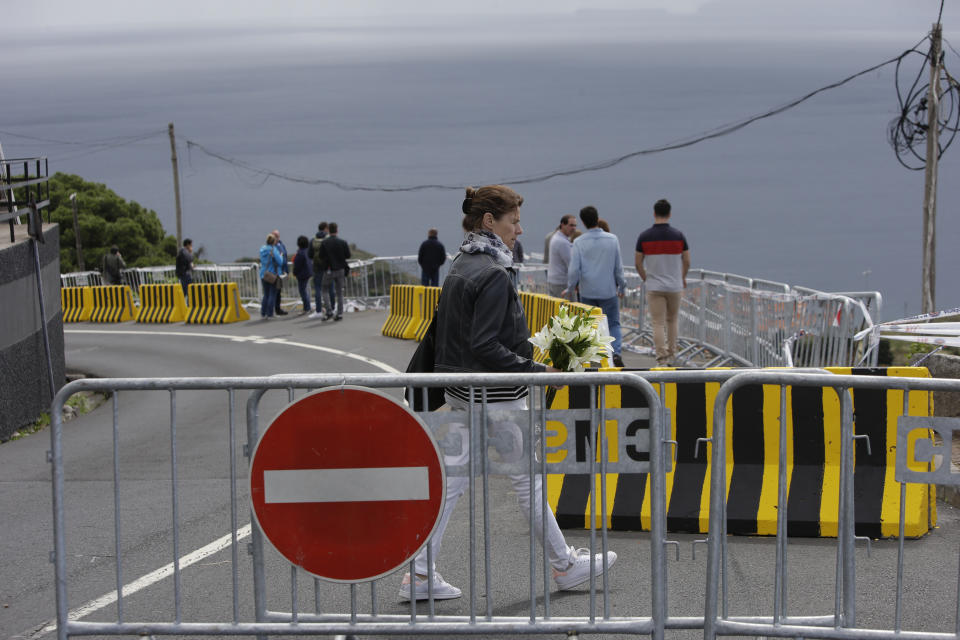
(286, 127)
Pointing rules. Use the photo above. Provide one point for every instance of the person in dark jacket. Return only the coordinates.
(431, 257)
(481, 327)
(184, 268)
(302, 270)
(112, 264)
(318, 270)
(334, 252)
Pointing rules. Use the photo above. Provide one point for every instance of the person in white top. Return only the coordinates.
(561, 248)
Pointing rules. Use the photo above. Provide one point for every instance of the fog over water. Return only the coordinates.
(814, 196)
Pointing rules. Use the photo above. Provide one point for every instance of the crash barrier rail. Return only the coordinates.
(215, 304)
(337, 608)
(752, 416)
(916, 462)
(162, 303)
(725, 319)
(77, 303)
(638, 443)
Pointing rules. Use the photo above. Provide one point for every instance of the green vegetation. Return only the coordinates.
(78, 404)
(106, 219)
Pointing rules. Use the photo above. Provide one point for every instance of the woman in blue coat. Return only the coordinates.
(270, 261)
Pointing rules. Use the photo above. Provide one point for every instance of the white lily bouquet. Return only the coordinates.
(571, 341)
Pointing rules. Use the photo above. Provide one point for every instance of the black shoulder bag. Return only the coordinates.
(422, 362)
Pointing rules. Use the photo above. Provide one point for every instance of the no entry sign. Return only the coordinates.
(347, 483)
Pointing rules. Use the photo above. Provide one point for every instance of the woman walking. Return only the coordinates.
(481, 327)
(270, 260)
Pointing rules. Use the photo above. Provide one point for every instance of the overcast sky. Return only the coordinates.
(881, 16)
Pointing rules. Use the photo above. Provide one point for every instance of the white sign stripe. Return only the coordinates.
(346, 485)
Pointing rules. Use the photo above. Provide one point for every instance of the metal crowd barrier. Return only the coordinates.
(268, 568)
(842, 622)
(287, 601)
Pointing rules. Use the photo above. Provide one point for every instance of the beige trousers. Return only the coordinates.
(664, 307)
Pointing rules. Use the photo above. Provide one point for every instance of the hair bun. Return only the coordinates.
(468, 201)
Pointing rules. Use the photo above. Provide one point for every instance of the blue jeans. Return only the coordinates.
(269, 299)
(430, 279)
(318, 289)
(611, 309)
(304, 293)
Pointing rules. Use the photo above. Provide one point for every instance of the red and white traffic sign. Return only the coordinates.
(347, 483)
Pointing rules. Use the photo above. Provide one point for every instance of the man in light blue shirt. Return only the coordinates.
(596, 267)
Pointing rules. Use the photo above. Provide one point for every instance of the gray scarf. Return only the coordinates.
(489, 243)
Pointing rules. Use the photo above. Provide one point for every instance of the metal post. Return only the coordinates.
(928, 290)
(76, 231)
(176, 182)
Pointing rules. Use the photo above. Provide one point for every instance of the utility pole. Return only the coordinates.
(176, 182)
(929, 283)
(76, 231)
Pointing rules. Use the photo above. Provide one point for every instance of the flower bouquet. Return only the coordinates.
(570, 341)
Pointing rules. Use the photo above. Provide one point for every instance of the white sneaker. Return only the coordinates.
(442, 590)
(315, 314)
(578, 571)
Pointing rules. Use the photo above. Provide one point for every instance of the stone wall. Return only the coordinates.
(24, 378)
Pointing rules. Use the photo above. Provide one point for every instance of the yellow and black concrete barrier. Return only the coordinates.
(112, 303)
(215, 303)
(402, 301)
(162, 303)
(753, 422)
(425, 304)
(77, 303)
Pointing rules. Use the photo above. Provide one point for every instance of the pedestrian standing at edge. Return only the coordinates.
(596, 267)
(334, 252)
(560, 250)
(270, 262)
(302, 270)
(112, 264)
(430, 257)
(663, 260)
(481, 327)
(546, 245)
(318, 269)
(284, 270)
(184, 267)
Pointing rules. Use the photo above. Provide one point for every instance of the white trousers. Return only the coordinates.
(557, 550)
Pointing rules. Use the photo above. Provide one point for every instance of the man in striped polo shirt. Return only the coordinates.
(663, 260)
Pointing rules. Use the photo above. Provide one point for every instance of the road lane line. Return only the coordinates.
(253, 339)
(140, 583)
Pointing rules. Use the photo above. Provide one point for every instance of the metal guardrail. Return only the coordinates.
(913, 464)
(725, 319)
(340, 609)
(324, 620)
(26, 179)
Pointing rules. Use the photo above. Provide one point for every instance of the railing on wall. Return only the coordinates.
(725, 319)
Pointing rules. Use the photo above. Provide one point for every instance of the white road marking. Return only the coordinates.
(140, 583)
(215, 546)
(253, 339)
(369, 484)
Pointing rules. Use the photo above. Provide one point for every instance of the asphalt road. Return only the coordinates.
(295, 344)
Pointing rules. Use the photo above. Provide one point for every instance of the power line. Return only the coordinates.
(723, 130)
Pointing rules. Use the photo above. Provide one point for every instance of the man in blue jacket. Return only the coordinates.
(596, 266)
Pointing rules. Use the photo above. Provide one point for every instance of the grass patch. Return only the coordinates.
(77, 405)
